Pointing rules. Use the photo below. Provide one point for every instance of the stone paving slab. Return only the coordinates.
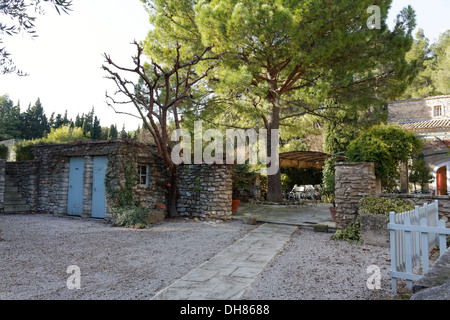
(230, 273)
(308, 215)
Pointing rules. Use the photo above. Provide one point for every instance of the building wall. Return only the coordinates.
(417, 109)
(204, 190)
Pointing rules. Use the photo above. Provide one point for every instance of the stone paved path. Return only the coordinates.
(229, 274)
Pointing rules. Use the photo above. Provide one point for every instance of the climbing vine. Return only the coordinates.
(124, 195)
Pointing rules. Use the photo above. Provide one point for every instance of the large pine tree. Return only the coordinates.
(284, 58)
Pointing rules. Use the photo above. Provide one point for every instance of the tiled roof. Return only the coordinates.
(437, 125)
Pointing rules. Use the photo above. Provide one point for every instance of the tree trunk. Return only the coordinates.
(274, 190)
(172, 197)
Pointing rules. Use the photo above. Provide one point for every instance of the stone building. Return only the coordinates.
(429, 118)
(87, 178)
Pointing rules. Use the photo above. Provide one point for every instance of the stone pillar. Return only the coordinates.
(352, 179)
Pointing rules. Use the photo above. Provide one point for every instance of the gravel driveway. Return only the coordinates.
(120, 263)
(312, 266)
(115, 263)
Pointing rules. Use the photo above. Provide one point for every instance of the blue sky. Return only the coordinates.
(64, 62)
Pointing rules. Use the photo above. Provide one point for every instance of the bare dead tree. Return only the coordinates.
(159, 93)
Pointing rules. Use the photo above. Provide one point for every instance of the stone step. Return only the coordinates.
(12, 195)
(16, 208)
(14, 201)
(11, 189)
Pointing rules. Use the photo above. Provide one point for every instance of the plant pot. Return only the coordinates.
(160, 206)
(333, 213)
(235, 205)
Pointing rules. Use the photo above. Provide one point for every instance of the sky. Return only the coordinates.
(64, 62)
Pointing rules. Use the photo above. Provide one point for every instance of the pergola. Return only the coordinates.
(310, 158)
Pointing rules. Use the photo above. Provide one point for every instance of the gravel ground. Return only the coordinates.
(314, 267)
(120, 263)
(115, 263)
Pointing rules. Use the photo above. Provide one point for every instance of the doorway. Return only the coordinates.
(75, 195)
(98, 187)
(441, 181)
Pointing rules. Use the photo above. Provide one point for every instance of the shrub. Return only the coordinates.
(351, 234)
(24, 149)
(3, 151)
(375, 205)
(132, 217)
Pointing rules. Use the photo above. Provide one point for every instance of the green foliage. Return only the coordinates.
(124, 195)
(344, 124)
(432, 63)
(3, 151)
(284, 58)
(329, 181)
(352, 233)
(34, 122)
(419, 172)
(242, 176)
(386, 146)
(18, 17)
(10, 120)
(24, 149)
(65, 134)
(375, 205)
(300, 176)
(131, 217)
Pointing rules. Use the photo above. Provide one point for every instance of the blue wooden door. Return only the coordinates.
(98, 187)
(75, 195)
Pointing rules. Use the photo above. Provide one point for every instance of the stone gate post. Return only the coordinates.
(352, 179)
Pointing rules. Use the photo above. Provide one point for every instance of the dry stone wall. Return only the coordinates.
(24, 175)
(352, 179)
(421, 199)
(205, 191)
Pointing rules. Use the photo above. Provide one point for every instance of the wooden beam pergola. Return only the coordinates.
(308, 156)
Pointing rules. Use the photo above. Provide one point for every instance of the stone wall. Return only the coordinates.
(24, 175)
(205, 191)
(417, 109)
(2, 183)
(352, 179)
(54, 167)
(421, 199)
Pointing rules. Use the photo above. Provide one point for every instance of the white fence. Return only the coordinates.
(413, 234)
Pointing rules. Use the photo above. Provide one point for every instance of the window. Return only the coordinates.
(438, 111)
(143, 176)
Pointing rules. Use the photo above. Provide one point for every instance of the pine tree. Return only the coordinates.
(34, 122)
(284, 58)
(10, 121)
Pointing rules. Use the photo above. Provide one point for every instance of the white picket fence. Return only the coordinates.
(413, 234)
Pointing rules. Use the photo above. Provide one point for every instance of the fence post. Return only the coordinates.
(393, 252)
(425, 251)
(408, 251)
(442, 239)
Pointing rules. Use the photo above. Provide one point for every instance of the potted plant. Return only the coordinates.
(241, 184)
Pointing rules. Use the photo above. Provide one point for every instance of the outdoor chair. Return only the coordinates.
(296, 193)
